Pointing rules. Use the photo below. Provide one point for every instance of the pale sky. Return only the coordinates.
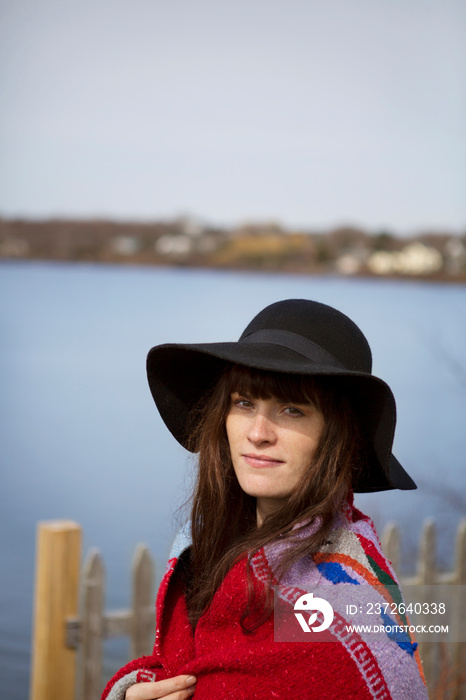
(309, 113)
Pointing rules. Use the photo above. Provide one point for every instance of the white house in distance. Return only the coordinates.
(414, 259)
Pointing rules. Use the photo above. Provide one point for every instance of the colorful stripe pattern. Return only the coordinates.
(352, 566)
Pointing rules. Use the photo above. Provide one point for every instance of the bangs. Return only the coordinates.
(260, 384)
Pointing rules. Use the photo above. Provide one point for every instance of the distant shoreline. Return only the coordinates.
(437, 279)
(183, 243)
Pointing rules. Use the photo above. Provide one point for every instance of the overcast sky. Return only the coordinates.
(310, 113)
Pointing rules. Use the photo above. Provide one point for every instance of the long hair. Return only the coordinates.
(223, 522)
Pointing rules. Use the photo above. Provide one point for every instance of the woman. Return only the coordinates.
(288, 422)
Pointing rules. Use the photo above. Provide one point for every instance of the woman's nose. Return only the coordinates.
(261, 430)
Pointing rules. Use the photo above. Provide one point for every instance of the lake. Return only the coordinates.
(82, 440)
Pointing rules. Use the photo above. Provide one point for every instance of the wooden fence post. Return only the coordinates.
(427, 575)
(143, 611)
(459, 651)
(391, 546)
(58, 563)
(92, 627)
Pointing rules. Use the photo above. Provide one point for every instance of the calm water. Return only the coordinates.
(81, 439)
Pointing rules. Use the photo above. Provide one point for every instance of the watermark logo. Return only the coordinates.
(307, 602)
(426, 613)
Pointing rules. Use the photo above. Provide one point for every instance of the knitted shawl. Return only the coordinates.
(230, 663)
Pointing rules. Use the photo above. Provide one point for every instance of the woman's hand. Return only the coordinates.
(177, 688)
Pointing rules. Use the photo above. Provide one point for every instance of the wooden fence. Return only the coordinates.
(68, 634)
(444, 663)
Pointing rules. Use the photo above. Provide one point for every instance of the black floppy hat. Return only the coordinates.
(295, 336)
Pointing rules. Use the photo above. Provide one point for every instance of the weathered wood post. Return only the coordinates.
(143, 617)
(427, 575)
(391, 546)
(459, 650)
(92, 627)
(58, 561)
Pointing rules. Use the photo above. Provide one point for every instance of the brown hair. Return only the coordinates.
(224, 517)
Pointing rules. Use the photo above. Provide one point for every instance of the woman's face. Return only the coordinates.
(272, 444)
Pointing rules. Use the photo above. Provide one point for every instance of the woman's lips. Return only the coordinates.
(261, 461)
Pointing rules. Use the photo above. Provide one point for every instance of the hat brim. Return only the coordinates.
(180, 375)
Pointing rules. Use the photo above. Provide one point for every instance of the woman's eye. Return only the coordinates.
(293, 411)
(244, 403)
